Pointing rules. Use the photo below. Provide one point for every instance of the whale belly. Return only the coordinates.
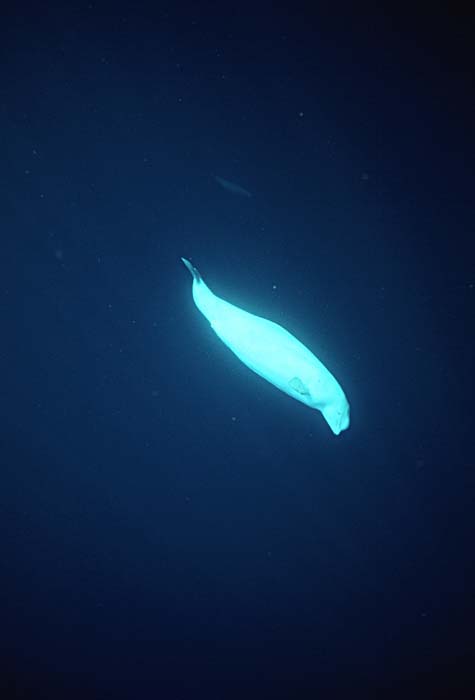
(276, 355)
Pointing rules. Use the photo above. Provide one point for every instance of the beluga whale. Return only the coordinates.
(273, 353)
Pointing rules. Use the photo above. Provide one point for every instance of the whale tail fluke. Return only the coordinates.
(193, 271)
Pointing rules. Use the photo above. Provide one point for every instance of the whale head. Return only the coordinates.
(337, 415)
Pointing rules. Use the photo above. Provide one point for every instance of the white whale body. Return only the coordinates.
(274, 354)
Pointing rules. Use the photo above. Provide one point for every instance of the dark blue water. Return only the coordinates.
(173, 526)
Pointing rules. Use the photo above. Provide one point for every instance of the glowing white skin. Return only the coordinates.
(273, 353)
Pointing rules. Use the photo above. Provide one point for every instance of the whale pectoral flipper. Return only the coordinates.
(297, 385)
(273, 353)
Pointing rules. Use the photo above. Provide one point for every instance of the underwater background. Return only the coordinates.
(172, 525)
